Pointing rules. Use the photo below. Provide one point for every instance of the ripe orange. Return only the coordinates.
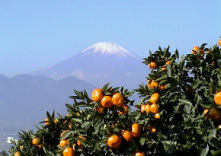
(217, 98)
(40, 146)
(17, 154)
(154, 98)
(136, 128)
(164, 68)
(142, 108)
(157, 116)
(215, 114)
(63, 143)
(100, 110)
(195, 50)
(205, 111)
(219, 42)
(152, 65)
(36, 141)
(139, 154)
(106, 102)
(79, 141)
(154, 108)
(147, 108)
(153, 130)
(154, 84)
(163, 87)
(114, 141)
(97, 95)
(168, 62)
(47, 122)
(125, 111)
(118, 99)
(68, 152)
(149, 84)
(127, 135)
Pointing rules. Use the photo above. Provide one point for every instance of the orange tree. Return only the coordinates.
(179, 113)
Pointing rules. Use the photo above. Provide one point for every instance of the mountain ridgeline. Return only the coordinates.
(101, 63)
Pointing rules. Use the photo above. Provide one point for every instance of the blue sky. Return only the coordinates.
(35, 34)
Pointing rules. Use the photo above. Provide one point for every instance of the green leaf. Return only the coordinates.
(214, 142)
(66, 134)
(205, 150)
(215, 153)
(142, 141)
(85, 124)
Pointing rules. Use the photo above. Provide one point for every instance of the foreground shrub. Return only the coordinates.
(179, 113)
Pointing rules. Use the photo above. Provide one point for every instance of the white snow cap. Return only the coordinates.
(107, 48)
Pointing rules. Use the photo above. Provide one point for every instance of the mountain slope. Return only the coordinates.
(25, 99)
(101, 63)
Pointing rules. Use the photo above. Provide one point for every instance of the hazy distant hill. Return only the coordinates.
(101, 63)
(25, 99)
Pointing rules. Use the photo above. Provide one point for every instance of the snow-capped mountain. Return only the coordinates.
(101, 63)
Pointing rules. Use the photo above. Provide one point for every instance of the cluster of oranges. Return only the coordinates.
(107, 101)
(153, 65)
(214, 113)
(68, 151)
(117, 99)
(114, 141)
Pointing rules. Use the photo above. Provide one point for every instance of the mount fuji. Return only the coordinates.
(101, 63)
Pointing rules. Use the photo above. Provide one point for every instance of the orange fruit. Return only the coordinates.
(164, 68)
(168, 62)
(106, 102)
(153, 130)
(147, 108)
(68, 152)
(154, 98)
(100, 110)
(163, 87)
(139, 154)
(142, 108)
(195, 50)
(217, 98)
(79, 141)
(36, 141)
(63, 143)
(118, 99)
(47, 122)
(17, 154)
(97, 95)
(40, 146)
(205, 111)
(114, 141)
(154, 108)
(152, 65)
(136, 128)
(219, 42)
(125, 111)
(215, 114)
(154, 84)
(157, 116)
(127, 135)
